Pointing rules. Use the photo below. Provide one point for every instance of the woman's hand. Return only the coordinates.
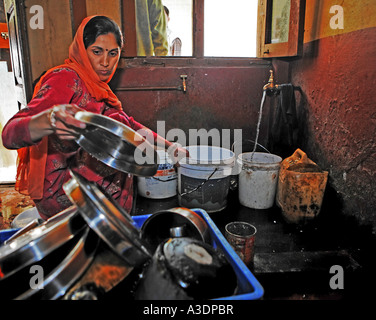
(64, 123)
(59, 120)
(177, 152)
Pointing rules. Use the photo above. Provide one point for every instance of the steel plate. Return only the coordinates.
(117, 145)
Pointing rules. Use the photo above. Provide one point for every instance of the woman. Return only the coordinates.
(43, 132)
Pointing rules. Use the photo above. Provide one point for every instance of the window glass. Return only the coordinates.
(179, 27)
(281, 28)
(230, 28)
(280, 21)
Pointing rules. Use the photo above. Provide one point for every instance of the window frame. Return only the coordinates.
(294, 45)
(129, 58)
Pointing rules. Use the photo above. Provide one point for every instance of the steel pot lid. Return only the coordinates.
(66, 273)
(111, 223)
(39, 242)
(117, 145)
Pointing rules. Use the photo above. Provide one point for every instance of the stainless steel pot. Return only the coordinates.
(175, 222)
(185, 268)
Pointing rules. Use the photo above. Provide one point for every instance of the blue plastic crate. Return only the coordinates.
(248, 286)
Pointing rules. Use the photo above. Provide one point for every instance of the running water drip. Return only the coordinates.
(258, 123)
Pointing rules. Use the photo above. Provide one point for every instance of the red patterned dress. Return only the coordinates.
(63, 86)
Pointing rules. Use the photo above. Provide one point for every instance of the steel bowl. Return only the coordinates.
(174, 223)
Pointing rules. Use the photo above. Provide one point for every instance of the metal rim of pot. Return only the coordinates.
(37, 243)
(61, 278)
(123, 239)
(183, 220)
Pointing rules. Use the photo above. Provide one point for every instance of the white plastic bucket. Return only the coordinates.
(258, 179)
(163, 184)
(25, 217)
(204, 178)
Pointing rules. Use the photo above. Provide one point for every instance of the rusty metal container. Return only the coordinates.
(301, 187)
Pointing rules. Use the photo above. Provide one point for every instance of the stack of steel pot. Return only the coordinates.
(44, 262)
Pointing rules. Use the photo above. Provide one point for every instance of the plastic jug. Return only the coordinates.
(301, 187)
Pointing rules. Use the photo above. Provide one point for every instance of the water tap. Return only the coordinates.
(270, 86)
(184, 78)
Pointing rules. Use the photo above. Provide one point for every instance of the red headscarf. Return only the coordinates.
(32, 160)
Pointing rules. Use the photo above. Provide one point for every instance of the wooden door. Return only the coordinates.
(19, 51)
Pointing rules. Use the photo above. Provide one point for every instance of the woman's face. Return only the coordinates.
(104, 54)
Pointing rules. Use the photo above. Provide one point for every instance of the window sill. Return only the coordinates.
(131, 62)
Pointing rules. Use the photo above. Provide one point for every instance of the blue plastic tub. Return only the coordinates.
(248, 286)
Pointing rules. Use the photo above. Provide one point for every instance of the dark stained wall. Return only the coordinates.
(217, 97)
(337, 75)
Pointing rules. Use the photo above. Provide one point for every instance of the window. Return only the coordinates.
(212, 28)
(280, 28)
(180, 24)
(238, 28)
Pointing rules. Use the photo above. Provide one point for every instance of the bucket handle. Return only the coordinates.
(232, 147)
(200, 185)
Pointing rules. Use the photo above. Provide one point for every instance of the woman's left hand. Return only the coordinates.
(59, 119)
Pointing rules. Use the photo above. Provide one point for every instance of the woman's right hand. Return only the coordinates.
(59, 120)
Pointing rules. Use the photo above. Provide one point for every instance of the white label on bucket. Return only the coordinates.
(198, 254)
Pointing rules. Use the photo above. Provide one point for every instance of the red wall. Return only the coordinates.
(337, 112)
(219, 97)
(337, 75)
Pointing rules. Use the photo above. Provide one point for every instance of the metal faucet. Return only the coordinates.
(270, 85)
(184, 78)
